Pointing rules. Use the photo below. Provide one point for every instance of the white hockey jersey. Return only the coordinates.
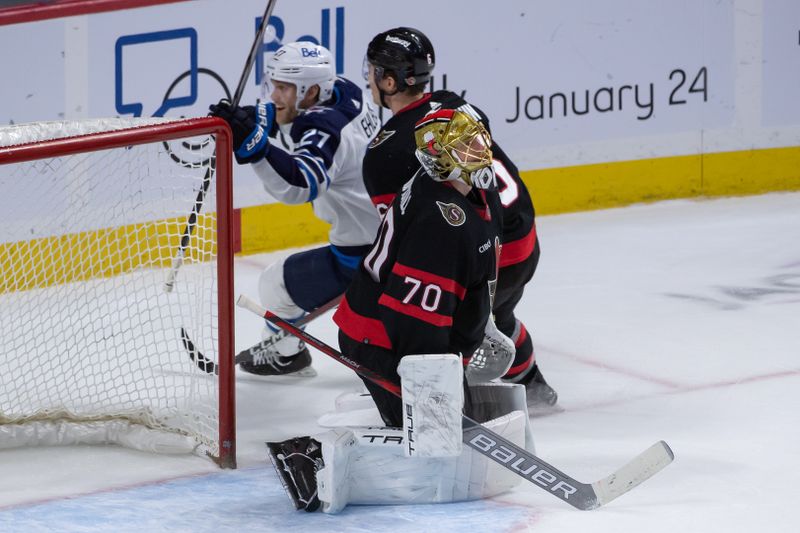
(324, 165)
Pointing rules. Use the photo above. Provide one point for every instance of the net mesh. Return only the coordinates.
(88, 331)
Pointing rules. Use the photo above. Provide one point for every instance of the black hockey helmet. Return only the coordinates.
(405, 53)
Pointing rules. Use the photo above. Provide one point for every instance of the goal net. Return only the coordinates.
(116, 236)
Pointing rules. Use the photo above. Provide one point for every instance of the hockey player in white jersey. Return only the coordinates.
(328, 124)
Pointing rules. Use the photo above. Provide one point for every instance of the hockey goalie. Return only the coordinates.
(425, 287)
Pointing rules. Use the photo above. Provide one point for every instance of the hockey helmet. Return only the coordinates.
(451, 145)
(303, 64)
(406, 53)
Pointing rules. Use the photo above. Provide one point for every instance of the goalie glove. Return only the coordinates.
(251, 126)
(493, 357)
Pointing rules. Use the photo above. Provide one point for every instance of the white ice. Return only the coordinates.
(677, 321)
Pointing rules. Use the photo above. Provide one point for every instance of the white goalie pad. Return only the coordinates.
(493, 357)
(491, 400)
(352, 409)
(487, 400)
(368, 466)
(433, 399)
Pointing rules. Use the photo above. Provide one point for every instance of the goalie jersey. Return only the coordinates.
(424, 287)
(390, 160)
(321, 164)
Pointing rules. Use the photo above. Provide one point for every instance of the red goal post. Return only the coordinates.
(90, 336)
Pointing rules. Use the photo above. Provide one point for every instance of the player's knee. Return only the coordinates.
(273, 293)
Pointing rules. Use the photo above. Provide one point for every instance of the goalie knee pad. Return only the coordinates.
(433, 398)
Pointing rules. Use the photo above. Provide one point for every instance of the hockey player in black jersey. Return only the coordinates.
(324, 124)
(398, 66)
(424, 288)
(424, 285)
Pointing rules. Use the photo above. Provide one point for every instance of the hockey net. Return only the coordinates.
(94, 217)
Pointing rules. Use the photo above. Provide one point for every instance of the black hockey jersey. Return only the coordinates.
(390, 160)
(424, 287)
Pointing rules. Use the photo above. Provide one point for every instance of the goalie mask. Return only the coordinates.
(303, 64)
(452, 145)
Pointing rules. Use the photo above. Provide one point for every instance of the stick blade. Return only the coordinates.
(640, 469)
(206, 365)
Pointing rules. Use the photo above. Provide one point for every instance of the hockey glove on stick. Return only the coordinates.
(493, 357)
(250, 125)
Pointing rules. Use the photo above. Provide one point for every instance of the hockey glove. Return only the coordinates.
(250, 126)
(493, 358)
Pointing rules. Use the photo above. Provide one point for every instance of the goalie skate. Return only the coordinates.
(297, 461)
(268, 362)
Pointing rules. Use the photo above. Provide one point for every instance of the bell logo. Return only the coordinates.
(331, 36)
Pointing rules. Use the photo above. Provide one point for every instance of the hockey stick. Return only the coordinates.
(262, 28)
(248, 355)
(583, 496)
(177, 261)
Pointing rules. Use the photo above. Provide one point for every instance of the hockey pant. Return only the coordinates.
(300, 283)
(511, 282)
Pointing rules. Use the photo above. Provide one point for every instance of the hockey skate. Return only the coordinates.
(541, 397)
(297, 461)
(269, 362)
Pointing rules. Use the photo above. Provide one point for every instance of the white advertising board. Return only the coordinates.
(781, 70)
(564, 83)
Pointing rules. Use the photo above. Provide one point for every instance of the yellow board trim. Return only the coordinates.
(578, 188)
(109, 252)
(279, 226)
(101, 253)
(616, 184)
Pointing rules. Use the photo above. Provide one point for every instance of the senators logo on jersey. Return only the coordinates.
(452, 213)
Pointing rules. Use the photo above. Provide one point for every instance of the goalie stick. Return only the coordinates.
(583, 496)
(248, 355)
(191, 222)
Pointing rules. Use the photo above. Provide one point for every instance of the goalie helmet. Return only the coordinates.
(303, 64)
(453, 145)
(404, 52)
